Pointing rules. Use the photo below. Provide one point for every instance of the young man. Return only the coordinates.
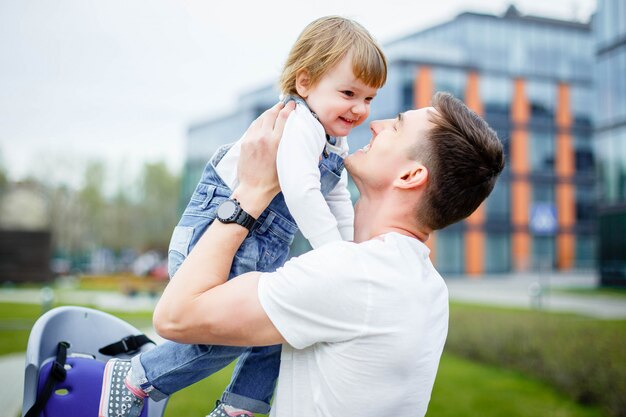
(363, 323)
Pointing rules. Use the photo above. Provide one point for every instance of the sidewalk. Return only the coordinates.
(539, 291)
(12, 371)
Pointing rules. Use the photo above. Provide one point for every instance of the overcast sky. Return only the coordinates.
(121, 80)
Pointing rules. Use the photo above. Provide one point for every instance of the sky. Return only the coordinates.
(121, 80)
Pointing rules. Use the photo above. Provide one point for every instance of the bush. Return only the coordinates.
(583, 357)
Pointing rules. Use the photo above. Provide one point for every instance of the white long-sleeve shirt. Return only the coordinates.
(321, 220)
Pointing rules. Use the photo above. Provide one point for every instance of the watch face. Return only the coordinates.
(227, 210)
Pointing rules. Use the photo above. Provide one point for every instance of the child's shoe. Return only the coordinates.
(117, 398)
(223, 410)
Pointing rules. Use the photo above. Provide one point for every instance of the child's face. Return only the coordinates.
(339, 99)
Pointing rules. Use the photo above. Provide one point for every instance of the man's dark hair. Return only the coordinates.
(464, 158)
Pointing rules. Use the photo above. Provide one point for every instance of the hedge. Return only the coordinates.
(583, 357)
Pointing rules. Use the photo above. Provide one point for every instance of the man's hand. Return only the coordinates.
(258, 179)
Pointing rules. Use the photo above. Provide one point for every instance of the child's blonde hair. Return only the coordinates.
(323, 43)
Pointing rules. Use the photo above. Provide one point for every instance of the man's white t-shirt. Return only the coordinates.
(365, 326)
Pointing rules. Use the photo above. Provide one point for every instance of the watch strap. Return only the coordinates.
(245, 219)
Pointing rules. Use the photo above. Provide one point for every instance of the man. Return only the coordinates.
(362, 323)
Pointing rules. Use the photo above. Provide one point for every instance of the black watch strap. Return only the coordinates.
(245, 219)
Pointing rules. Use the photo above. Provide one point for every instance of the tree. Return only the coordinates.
(158, 205)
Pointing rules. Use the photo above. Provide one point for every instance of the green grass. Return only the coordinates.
(465, 388)
(584, 358)
(16, 320)
(593, 292)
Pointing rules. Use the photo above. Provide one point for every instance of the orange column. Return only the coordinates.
(475, 233)
(565, 193)
(520, 187)
(422, 95)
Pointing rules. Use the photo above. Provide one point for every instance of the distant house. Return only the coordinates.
(25, 238)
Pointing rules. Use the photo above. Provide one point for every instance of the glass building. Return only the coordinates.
(610, 138)
(531, 78)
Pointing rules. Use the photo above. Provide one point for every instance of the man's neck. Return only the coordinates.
(376, 216)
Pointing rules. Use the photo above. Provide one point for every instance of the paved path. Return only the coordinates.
(12, 374)
(538, 291)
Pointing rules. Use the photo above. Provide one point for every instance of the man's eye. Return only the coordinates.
(348, 93)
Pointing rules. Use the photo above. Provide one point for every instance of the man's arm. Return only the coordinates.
(199, 305)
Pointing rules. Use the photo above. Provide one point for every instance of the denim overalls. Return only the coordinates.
(172, 366)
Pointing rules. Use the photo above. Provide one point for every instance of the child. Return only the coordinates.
(332, 73)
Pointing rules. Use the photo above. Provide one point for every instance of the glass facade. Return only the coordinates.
(610, 138)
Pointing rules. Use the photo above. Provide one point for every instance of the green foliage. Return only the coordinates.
(16, 320)
(465, 388)
(140, 214)
(585, 358)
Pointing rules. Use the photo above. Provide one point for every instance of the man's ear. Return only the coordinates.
(414, 176)
(303, 83)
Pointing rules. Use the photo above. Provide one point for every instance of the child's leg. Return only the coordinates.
(158, 373)
(253, 380)
(170, 367)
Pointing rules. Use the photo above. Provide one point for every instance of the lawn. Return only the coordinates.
(616, 292)
(463, 388)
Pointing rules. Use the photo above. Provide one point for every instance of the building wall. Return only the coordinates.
(610, 137)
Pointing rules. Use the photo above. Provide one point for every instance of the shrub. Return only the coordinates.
(583, 357)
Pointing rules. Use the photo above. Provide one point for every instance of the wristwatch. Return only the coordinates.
(230, 211)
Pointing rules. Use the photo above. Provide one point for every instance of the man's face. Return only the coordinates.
(380, 162)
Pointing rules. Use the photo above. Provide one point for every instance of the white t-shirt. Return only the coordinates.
(320, 220)
(365, 326)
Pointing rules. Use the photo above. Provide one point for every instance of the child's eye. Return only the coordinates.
(369, 99)
(348, 93)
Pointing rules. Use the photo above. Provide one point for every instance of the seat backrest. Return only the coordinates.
(86, 331)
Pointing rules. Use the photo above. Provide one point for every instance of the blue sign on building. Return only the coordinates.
(543, 219)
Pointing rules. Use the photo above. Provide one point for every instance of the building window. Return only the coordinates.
(449, 253)
(543, 192)
(585, 203)
(498, 253)
(450, 80)
(583, 151)
(581, 98)
(497, 204)
(541, 152)
(543, 252)
(496, 94)
(542, 96)
(585, 251)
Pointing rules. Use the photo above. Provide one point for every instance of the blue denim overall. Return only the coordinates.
(171, 367)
